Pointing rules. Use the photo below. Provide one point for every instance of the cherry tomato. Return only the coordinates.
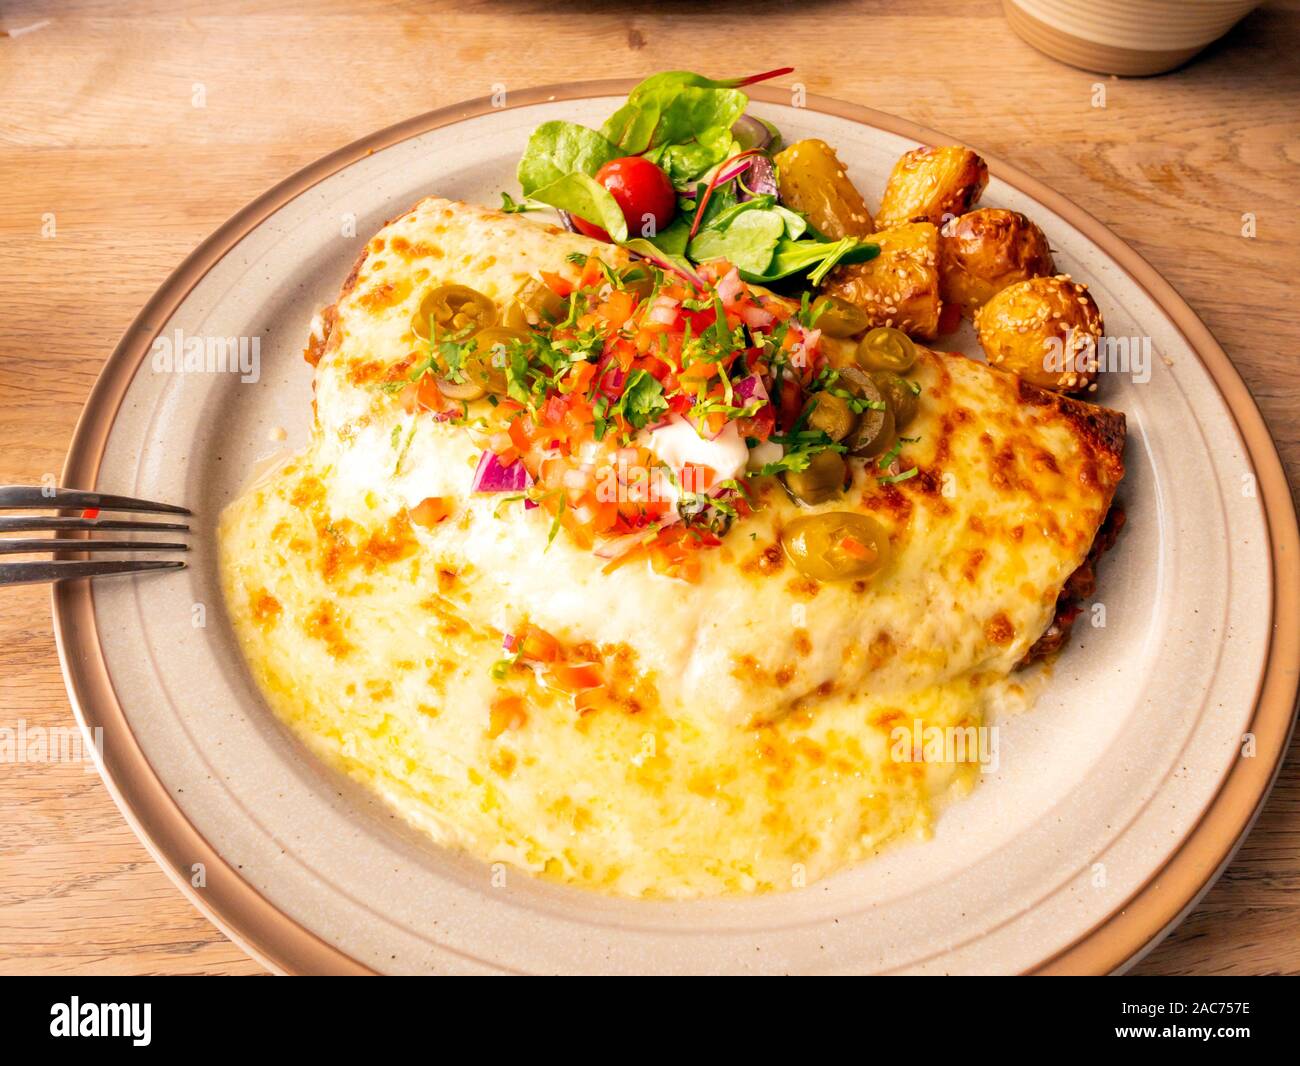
(640, 188)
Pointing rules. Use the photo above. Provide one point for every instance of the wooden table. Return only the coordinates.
(110, 175)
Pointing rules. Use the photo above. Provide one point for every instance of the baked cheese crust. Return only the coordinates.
(749, 736)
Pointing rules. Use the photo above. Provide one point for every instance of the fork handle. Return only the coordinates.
(35, 573)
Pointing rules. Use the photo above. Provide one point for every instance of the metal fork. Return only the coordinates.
(25, 497)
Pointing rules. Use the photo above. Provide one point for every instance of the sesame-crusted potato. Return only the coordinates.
(813, 181)
(984, 251)
(1045, 330)
(928, 183)
(900, 287)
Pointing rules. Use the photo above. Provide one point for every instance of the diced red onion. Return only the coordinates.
(492, 475)
(730, 288)
(576, 479)
(756, 317)
(615, 547)
(566, 220)
(750, 390)
(662, 312)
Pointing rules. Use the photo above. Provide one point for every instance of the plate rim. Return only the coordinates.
(283, 945)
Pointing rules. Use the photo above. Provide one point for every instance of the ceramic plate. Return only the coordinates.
(1116, 801)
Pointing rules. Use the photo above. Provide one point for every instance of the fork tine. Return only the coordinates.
(33, 523)
(13, 497)
(34, 572)
(24, 545)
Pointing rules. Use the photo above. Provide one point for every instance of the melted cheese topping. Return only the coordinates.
(749, 736)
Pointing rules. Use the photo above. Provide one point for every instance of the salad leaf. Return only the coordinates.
(582, 195)
(674, 107)
(673, 239)
(724, 217)
(653, 251)
(748, 241)
(557, 149)
(685, 162)
(795, 224)
(819, 257)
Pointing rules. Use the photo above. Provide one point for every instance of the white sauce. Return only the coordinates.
(677, 443)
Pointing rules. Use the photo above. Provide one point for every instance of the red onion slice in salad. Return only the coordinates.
(751, 132)
(758, 180)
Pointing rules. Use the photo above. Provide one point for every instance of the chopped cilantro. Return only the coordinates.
(896, 478)
(511, 206)
(642, 399)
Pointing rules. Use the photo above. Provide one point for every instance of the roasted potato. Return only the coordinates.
(928, 183)
(813, 181)
(1045, 330)
(900, 287)
(983, 252)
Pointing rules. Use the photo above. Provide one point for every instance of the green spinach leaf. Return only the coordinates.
(748, 241)
(580, 194)
(673, 108)
(818, 257)
(557, 149)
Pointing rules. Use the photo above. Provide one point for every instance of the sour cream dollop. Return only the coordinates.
(677, 443)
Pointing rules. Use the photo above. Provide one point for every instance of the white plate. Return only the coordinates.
(1132, 756)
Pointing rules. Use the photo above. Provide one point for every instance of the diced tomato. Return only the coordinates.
(423, 394)
(520, 433)
(574, 677)
(697, 372)
(579, 530)
(760, 426)
(679, 404)
(507, 711)
(643, 192)
(533, 642)
(696, 477)
(578, 380)
(556, 406)
(590, 699)
(558, 285)
(591, 273)
(618, 308)
(430, 511)
(672, 562)
(714, 423)
(791, 403)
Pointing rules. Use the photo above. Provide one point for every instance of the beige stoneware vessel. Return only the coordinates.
(1133, 37)
(1116, 802)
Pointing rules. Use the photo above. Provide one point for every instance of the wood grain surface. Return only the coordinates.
(110, 174)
